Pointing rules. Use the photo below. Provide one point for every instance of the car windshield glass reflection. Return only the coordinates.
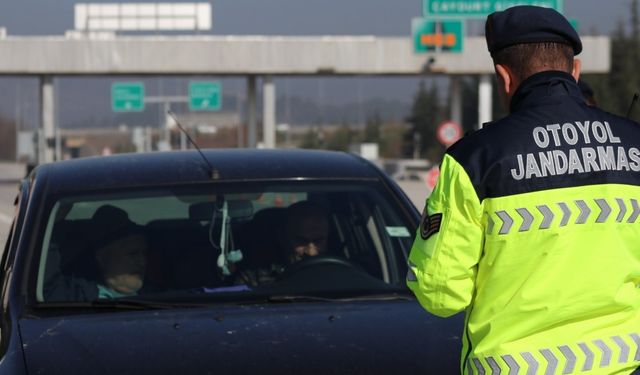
(226, 243)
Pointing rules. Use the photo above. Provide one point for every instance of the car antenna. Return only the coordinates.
(212, 172)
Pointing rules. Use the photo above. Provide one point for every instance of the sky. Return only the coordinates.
(263, 17)
(293, 17)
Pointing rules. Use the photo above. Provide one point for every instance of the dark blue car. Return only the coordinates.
(179, 262)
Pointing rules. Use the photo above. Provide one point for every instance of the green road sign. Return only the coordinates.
(127, 96)
(432, 35)
(205, 96)
(574, 23)
(480, 8)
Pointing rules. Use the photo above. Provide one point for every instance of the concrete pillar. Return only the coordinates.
(46, 154)
(167, 131)
(183, 141)
(456, 99)
(58, 151)
(269, 112)
(485, 96)
(252, 123)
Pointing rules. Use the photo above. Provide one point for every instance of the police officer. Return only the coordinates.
(533, 228)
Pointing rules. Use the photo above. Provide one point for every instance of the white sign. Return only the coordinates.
(143, 16)
(448, 133)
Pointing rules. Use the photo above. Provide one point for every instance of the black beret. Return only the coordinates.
(529, 24)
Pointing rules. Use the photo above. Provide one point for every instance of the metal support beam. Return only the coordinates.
(167, 131)
(251, 111)
(456, 100)
(46, 154)
(485, 97)
(257, 55)
(269, 113)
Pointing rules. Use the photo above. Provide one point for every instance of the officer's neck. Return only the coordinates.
(551, 81)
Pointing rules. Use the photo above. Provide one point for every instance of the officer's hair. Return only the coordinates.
(529, 58)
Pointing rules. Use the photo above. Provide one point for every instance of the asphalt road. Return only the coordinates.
(10, 175)
(7, 195)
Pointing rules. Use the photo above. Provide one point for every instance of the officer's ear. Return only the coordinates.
(507, 84)
(577, 68)
(506, 79)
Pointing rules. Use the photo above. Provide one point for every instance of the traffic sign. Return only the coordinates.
(448, 133)
(127, 96)
(431, 35)
(574, 23)
(480, 8)
(205, 95)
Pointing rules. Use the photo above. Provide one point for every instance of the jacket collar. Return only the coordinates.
(542, 87)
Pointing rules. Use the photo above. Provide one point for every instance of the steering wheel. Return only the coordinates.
(319, 261)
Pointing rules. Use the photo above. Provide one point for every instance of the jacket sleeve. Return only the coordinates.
(448, 246)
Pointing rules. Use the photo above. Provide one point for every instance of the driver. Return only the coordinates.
(305, 234)
(307, 230)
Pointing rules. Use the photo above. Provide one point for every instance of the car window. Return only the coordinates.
(224, 242)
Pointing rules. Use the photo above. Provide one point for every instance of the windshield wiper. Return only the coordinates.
(137, 304)
(363, 297)
(107, 303)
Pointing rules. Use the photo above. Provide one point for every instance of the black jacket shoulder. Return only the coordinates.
(553, 139)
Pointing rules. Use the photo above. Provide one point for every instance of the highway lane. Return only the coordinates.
(417, 191)
(10, 175)
(8, 193)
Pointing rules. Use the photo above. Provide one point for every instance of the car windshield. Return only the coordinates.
(231, 242)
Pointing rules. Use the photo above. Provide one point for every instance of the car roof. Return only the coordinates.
(184, 167)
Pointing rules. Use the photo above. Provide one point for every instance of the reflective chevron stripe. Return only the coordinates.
(605, 210)
(514, 368)
(606, 353)
(635, 213)
(566, 213)
(624, 349)
(588, 361)
(552, 361)
(623, 210)
(570, 359)
(547, 215)
(479, 366)
(585, 211)
(490, 224)
(523, 218)
(507, 222)
(411, 275)
(531, 361)
(527, 219)
(495, 368)
(564, 359)
(636, 339)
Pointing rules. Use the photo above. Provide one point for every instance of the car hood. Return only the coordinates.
(319, 337)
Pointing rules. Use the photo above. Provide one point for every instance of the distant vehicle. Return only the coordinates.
(408, 169)
(189, 228)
